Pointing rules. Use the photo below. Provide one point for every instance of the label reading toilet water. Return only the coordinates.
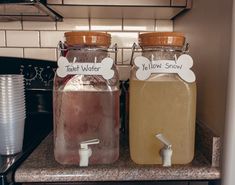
(103, 68)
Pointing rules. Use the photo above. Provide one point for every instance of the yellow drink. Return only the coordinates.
(163, 104)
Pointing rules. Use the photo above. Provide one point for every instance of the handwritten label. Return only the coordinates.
(103, 68)
(181, 66)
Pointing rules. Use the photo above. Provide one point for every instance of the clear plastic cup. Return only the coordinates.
(10, 84)
(11, 77)
(12, 113)
(12, 102)
(15, 101)
(11, 137)
(11, 98)
(13, 119)
(11, 107)
(6, 117)
(16, 114)
(6, 86)
(13, 90)
(12, 94)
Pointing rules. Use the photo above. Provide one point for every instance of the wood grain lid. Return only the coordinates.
(161, 39)
(88, 38)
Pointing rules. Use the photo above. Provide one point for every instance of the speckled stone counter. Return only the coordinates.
(41, 167)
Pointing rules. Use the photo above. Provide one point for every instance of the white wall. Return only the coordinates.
(229, 152)
(207, 27)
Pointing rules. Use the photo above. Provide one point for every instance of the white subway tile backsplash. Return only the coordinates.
(164, 25)
(178, 3)
(138, 25)
(127, 56)
(22, 38)
(29, 25)
(104, 12)
(106, 24)
(2, 38)
(40, 39)
(51, 38)
(58, 53)
(127, 53)
(124, 39)
(11, 52)
(73, 24)
(124, 71)
(54, 1)
(119, 56)
(40, 53)
(11, 25)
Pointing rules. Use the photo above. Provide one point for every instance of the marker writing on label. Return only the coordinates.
(90, 68)
(151, 66)
(72, 68)
(103, 68)
(170, 66)
(182, 66)
(154, 66)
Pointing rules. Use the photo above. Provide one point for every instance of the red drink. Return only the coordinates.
(83, 116)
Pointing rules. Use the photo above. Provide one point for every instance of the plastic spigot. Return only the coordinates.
(166, 151)
(85, 151)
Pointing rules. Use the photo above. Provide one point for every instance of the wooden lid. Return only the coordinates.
(88, 38)
(161, 39)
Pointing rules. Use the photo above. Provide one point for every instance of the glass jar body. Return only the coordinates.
(164, 103)
(86, 107)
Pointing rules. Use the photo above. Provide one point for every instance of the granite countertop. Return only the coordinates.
(41, 166)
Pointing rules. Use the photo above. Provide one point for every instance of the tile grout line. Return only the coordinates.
(21, 23)
(27, 30)
(5, 32)
(56, 26)
(23, 52)
(54, 58)
(39, 37)
(122, 55)
(16, 47)
(124, 31)
(122, 25)
(155, 25)
(57, 54)
(89, 23)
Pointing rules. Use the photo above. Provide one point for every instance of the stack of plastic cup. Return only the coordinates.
(12, 114)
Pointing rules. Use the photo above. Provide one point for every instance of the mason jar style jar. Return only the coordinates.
(162, 106)
(86, 102)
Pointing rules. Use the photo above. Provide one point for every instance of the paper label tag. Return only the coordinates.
(103, 68)
(181, 66)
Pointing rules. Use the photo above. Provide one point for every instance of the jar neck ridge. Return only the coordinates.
(162, 52)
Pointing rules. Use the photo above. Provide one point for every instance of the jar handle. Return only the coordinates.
(186, 48)
(62, 48)
(132, 54)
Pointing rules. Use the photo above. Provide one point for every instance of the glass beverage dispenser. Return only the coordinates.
(86, 102)
(162, 104)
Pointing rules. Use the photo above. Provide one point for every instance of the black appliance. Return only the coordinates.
(27, 10)
(38, 124)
